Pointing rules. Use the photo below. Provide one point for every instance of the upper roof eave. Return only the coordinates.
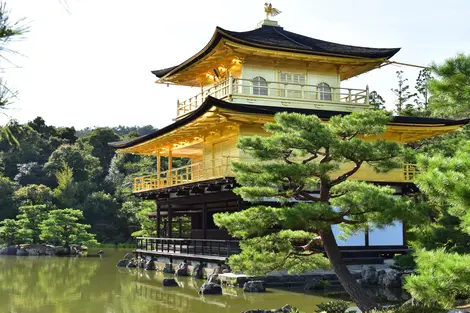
(265, 110)
(281, 41)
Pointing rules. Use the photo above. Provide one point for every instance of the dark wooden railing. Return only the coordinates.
(209, 247)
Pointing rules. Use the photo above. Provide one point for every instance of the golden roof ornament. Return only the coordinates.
(269, 10)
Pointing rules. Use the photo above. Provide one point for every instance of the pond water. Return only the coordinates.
(96, 285)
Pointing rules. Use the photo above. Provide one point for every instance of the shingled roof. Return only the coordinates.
(276, 38)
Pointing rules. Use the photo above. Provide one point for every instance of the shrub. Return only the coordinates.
(332, 307)
(405, 261)
(414, 309)
(442, 278)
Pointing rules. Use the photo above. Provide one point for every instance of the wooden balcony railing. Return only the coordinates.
(276, 91)
(410, 171)
(221, 167)
(186, 246)
(219, 91)
(215, 168)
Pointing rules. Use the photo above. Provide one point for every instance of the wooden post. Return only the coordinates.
(230, 84)
(367, 94)
(170, 221)
(159, 221)
(170, 167)
(159, 169)
(204, 221)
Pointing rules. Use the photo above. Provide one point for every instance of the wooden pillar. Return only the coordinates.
(170, 167)
(159, 221)
(170, 221)
(159, 169)
(204, 221)
(366, 235)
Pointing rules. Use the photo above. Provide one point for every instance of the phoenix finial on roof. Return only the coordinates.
(268, 8)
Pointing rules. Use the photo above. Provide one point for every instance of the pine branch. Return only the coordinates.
(326, 157)
(346, 175)
(313, 157)
(306, 196)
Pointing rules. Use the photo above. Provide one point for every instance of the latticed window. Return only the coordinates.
(293, 84)
(260, 86)
(324, 91)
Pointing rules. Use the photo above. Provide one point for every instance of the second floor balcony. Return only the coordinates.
(288, 94)
(221, 168)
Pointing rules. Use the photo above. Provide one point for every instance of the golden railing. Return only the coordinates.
(218, 168)
(301, 91)
(275, 90)
(219, 91)
(215, 168)
(410, 171)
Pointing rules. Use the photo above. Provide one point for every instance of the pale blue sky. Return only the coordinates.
(92, 67)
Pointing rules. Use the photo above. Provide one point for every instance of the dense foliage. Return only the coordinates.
(51, 167)
(442, 277)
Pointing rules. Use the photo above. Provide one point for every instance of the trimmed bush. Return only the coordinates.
(332, 307)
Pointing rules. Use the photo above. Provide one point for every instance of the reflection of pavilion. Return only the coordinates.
(186, 299)
(181, 299)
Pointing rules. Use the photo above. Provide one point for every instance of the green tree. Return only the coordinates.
(8, 207)
(422, 95)
(450, 87)
(10, 232)
(444, 180)
(147, 225)
(34, 195)
(84, 166)
(29, 219)
(62, 227)
(98, 140)
(376, 100)
(403, 104)
(299, 164)
(66, 190)
(441, 277)
(101, 212)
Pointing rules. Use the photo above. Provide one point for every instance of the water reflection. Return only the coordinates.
(94, 285)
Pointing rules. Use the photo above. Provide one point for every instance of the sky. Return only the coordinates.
(89, 63)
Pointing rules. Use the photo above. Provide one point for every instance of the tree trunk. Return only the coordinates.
(352, 287)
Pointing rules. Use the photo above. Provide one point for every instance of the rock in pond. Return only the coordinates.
(22, 252)
(369, 275)
(4, 250)
(198, 271)
(169, 282)
(182, 269)
(254, 286)
(285, 309)
(210, 289)
(391, 279)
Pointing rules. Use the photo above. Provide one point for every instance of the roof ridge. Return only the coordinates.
(290, 39)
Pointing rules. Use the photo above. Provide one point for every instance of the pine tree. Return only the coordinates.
(403, 105)
(305, 164)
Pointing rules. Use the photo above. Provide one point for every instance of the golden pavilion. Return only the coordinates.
(243, 79)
